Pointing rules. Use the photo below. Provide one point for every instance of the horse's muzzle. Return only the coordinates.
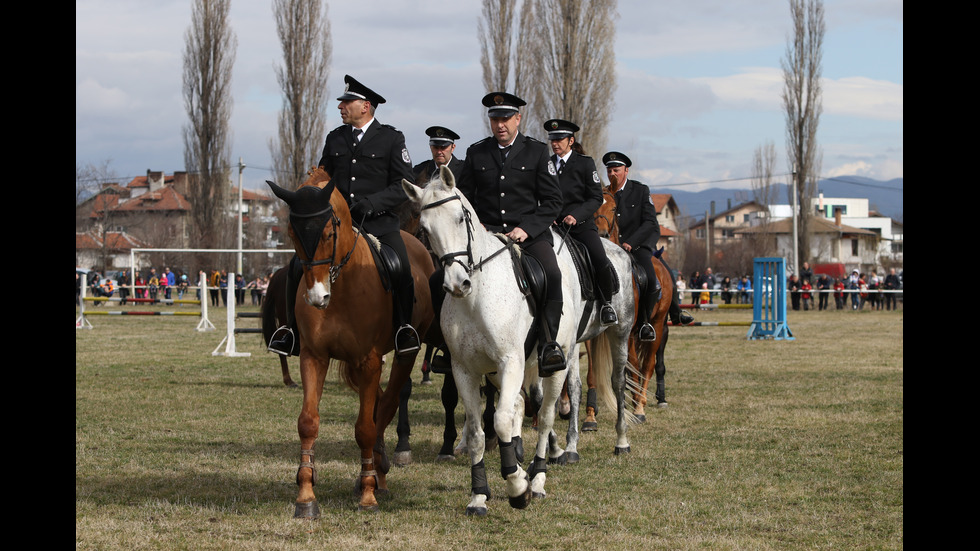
(318, 296)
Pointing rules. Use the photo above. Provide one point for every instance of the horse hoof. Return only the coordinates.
(292, 385)
(590, 426)
(476, 511)
(621, 451)
(521, 501)
(661, 405)
(367, 508)
(565, 416)
(642, 418)
(490, 444)
(403, 458)
(308, 510)
(445, 458)
(573, 457)
(560, 460)
(538, 495)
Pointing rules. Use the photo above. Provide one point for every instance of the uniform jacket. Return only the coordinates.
(426, 170)
(372, 171)
(636, 216)
(522, 192)
(581, 191)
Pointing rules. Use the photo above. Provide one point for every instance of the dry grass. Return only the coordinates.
(765, 445)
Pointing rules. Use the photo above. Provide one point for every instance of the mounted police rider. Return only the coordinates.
(581, 193)
(367, 161)
(639, 232)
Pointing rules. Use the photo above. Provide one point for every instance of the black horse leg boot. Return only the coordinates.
(551, 359)
(285, 340)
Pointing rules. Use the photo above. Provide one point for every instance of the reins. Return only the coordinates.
(449, 258)
(335, 222)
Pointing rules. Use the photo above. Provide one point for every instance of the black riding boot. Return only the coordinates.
(608, 286)
(551, 359)
(285, 341)
(406, 337)
(648, 302)
(441, 360)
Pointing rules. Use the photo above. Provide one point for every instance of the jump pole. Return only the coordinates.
(769, 304)
(229, 340)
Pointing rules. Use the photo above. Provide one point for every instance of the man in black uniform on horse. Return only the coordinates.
(513, 186)
(367, 161)
(639, 232)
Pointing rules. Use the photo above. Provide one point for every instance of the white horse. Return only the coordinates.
(485, 320)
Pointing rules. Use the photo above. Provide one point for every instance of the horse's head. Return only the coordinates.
(315, 218)
(450, 222)
(605, 217)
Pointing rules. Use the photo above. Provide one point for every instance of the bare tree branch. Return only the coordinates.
(304, 33)
(209, 54)
(802, 99)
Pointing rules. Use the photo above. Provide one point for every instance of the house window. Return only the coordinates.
(730, 218)
(898, 247)
(854, 247)
(746, 218)
(699, 234)
(727, 234)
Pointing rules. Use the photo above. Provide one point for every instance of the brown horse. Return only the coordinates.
(274, 316)
(344, 314)
(648, 357)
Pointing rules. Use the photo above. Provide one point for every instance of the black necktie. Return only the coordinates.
(503, 153)
(561, 164)
(357, 135)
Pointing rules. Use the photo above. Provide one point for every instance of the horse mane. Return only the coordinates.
(316, 176)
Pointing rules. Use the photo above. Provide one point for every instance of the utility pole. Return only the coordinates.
(796, 242)
(241, 168)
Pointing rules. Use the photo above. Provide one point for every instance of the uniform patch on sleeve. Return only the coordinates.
(405, 156)
(551, 168)
(595, 176)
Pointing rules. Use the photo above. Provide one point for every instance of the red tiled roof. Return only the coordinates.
(165, 198)
(117, 241)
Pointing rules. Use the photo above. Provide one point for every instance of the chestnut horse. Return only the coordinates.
(344, 314)
(648, 357)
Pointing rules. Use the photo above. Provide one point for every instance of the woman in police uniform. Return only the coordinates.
(581, 193)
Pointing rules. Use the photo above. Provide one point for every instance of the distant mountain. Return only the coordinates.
(885, 197)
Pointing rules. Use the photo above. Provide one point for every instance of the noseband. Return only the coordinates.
(448, 259)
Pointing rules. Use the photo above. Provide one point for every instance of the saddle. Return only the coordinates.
(385, 260)
(639, 275)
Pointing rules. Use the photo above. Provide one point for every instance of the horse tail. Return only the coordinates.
(346, 373)
(601, 356)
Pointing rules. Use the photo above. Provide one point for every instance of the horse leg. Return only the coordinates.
(647, 369)
(403, 450)
(450, 398)
(388, 403)
(366, 430)
(516, 481)
(286, 379)
(590, 424)
(469, 393)
(490, 429)
(312, 374)
(620, 358)
(573, 384)
(551, 389)
(661, 369)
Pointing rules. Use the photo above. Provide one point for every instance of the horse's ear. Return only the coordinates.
(281, 193)
(413, 191)
(447, 176)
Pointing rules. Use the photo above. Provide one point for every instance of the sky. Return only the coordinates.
(698, 84)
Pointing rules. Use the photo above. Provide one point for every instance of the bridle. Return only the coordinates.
(610, 221)
(449, 259)
(313, 232)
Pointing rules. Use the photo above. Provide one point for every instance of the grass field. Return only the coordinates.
(765, 445)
